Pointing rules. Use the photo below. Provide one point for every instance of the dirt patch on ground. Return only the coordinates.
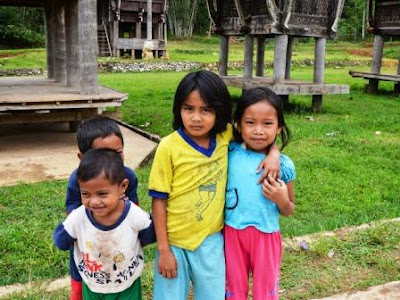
(361, 52)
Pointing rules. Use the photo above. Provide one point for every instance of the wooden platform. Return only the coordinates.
(27, 99)
(287, 87)
(384, 77)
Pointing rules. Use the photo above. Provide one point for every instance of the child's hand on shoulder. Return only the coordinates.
(275, 190)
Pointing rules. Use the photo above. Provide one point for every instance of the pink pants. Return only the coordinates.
(252, 250)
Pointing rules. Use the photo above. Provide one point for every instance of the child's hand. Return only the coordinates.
(167, 265)
(275, 190)
(270, 164)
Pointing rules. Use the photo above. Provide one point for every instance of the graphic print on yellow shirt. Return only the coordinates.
(192, 179)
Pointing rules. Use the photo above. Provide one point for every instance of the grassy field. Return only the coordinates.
(347, 162)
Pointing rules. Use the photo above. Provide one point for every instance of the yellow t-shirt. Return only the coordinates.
(192, 179)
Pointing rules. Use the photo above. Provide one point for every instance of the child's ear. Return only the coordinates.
(80, 155)
(124, 185)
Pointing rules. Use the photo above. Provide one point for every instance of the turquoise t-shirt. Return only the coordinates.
(245, 204)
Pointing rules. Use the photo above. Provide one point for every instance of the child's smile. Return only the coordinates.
(102, 198)
(259, 126)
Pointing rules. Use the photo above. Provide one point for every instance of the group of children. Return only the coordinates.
(214, 217)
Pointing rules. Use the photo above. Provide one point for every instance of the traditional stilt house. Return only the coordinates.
(136, 27)
(71, 92)
(281, 20)
(384, 21)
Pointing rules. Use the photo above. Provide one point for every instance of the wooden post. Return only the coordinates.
(138, 26)
(223, 55)
(149, 19)
(60, 68)
(88, 46)
(281, 43)
(49, 40)
(147, 52)
(248, 57)
(115, 38)
(376, 63)
(289, 54)
(260, 55)
(72, 42)
(319, 71)
(397, 84)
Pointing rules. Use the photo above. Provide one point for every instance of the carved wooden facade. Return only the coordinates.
(384, 17)
(282, 20)
(311, 18)
(123, 26)
(384, 21)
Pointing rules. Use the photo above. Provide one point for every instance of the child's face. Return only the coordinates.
(102, 198)
(259, 126)
(112, 142)
(198, 117)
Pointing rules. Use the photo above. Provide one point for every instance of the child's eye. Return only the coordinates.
(187, 108)
(207, 110)
(103, 194)
(249, 122)
(84, 195)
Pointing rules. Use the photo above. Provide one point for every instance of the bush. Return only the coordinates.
(21, 37)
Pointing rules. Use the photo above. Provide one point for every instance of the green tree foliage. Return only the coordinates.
(353, 19)
(21, 27)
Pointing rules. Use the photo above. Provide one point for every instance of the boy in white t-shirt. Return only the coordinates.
(107, 232)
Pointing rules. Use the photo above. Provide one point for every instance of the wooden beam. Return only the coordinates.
(376, 63)
(289, 54)
(319, 71)
(72, 42)
(88, 46)
(223, 55)
(281, 43)
(60, 67)
(49, 40)
(248, 57)
(260, 55)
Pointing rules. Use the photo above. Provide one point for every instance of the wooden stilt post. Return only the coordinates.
(88, 47)
(72, 42)
(281, 42)
(223, 55)
(319, 71)
(60, 68)
(248, 57)
(49, 40)
(397, 84)
(115, 38)
(148, 44)
(376, 63)
(289, 54)
(260, 55)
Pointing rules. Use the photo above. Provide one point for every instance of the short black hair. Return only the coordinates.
(101, 161)
(212, 90)
(97, 127)
(252, 96)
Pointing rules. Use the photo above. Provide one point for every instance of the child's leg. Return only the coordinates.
(207, 269)
(76, 290)
(266, 253)
(176, 288)
(237, 264)
(76, 280)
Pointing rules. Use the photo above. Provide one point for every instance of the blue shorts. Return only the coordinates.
(204, 267)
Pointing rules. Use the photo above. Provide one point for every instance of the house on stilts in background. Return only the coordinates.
(134, 27)
(281, 21)
(384, 23)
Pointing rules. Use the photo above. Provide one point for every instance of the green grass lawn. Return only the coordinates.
(347, 161)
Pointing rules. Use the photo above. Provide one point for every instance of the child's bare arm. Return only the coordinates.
(270, 164)
(281, 193)
(167, 265)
